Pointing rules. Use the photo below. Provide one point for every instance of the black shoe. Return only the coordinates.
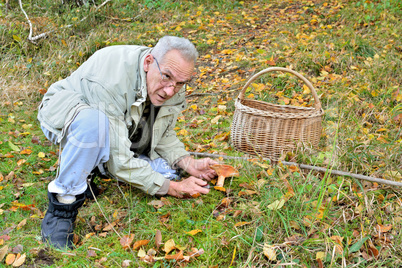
(58, 223)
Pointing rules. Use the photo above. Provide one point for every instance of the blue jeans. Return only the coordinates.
(86, 146)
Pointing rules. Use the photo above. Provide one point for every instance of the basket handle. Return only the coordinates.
(317, 104)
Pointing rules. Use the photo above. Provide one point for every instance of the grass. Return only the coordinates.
(351, 53)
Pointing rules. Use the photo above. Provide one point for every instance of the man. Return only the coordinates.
(118, 111)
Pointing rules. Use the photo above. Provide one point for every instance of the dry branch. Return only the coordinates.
(43, 35)
(303, 166)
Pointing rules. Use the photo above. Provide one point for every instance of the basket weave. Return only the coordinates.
(269, 130)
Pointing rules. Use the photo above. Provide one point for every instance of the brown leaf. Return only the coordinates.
(109, 227)
(126, 263)
(383, 228)
(178, 256)
(156, 204)
(126, 241)
(372, 250)
(91, 253)
(139, 244)
(18, 249)
(158, 239)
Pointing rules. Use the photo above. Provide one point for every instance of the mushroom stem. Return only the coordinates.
(221, 181)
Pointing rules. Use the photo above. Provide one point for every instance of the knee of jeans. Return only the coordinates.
(90, 125)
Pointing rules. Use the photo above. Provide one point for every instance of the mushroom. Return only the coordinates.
(224, 171)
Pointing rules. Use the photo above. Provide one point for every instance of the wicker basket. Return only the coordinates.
(269, 130)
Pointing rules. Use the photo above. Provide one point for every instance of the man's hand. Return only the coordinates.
(199, 168)
(190, 186)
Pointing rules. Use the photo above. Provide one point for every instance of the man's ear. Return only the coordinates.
(147, 61)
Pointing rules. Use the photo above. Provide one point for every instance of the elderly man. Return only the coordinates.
(117, 112)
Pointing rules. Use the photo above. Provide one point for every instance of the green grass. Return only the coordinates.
(351, 53)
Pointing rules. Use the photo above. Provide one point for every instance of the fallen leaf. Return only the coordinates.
(278, 204)
(320, 255)
(242, 223)
(18, 249)
(194, 232)
(3, 252)
(26, 151)
(178, 256)
(156, 204)
(19, 260)
(139, 244)
(158, 239)
(109, 227)
(126, 263)
(219, 188)
(269, 252)
(169, 246)
(383, 228)
(10, 259)
(22, 223)
(141, 253)
(91, 253)
(126, 240)
(216, 119)
(372, 250)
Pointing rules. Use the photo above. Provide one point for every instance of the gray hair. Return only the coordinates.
(168, 43)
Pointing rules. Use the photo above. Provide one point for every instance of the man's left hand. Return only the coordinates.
(199, 168)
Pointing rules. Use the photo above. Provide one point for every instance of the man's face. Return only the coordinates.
(164, 82)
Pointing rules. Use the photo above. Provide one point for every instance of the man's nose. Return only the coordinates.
(169, 90)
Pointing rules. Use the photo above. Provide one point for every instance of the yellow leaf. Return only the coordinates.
(220, 188)
(194, 107)
(22, 223)
(382, 130)
(242, 223)
(269, 252)
(278, 204)
(17, 38)
(10, 259)
(216, 119)
(41, 154)
(169, 246)
(306, 90)
(320, 255)
(194, 232)
(263, 165)
(141, 253)
(183, 132)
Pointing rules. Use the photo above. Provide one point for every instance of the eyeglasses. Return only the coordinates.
(168, 81)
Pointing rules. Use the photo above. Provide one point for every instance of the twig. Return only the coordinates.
(199, 94)
(43, 35)
(303, 166)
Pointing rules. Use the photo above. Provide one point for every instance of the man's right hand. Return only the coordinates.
(187, 187)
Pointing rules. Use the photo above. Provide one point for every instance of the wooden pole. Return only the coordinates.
(303, 166)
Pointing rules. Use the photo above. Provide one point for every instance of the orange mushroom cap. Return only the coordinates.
(225, 170)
